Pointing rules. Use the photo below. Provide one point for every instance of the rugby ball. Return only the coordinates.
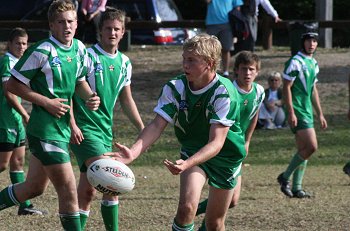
(110, 177)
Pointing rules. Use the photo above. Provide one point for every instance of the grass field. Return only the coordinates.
(151, 206)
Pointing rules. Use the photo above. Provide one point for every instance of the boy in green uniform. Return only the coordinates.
(301, 95)
(109, 74)
(204, 110)
(47, 75)
(12, 132)
(251, 95)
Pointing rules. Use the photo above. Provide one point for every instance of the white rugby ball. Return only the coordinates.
(110, 177)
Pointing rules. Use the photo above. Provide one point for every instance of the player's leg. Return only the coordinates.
(86, 193)
(34, 185)
(191, 183)
(346, 168)
(218, 204)
(109, 210)
(235, 198)
(307, 144)
(63, 179)
(5, 156)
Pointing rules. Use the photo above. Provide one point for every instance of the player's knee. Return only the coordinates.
(184, 210)
(233, 204)
(217, 224)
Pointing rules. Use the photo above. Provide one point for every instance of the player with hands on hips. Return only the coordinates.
(301, 96)
(109, 74)
(203, 107)
(47, 75)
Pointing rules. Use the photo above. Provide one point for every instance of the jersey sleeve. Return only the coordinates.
(291, 70)
(166, 106)
(5, 68)
(29, 65)
(223, 108)
(84, 59)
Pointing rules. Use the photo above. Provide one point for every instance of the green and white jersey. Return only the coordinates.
(107, 75)
(302, 70)
(51, 69)
(250, 103)
(9, 118)
(193, 112)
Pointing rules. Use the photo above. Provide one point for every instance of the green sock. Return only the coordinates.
(109, 210)
(70, 222)
(202, 206)
(294, 163)
(298, 176)
(177, 227)
(18, 177)
(84, 215)
(8, 198)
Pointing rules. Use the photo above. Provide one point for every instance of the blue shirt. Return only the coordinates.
(217, 11)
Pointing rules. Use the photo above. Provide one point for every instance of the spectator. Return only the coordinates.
(217, 23)
(89, 16)
(250, 11)
(271, 114)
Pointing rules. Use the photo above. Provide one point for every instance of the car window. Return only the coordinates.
(167, 10)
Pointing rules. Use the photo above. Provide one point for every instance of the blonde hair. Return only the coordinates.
(206, 46)
(275, 74)
(59, 6)
(112, 14)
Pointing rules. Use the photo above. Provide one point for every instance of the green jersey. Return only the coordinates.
(193, 112)
(107, 75)
(51, 69)
(250, 102)
(302, 70)
(9, 118)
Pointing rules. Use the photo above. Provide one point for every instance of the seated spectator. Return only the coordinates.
(271, 114)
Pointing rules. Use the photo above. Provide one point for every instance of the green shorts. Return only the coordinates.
(49, 152)
(303, 124)
(13, 136)
(88, 149)
(219, 176)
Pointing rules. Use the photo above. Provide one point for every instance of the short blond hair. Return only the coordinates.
(206, 46)
(275, 74)
(59, 6)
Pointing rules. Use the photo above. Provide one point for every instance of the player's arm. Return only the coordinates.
(56, 107)
(83, 90)
(317, 105)
(217, 137)
(130, 109)
(76, 136)
(287, 94)
(250, 131)
(146, 138)
(13, 101)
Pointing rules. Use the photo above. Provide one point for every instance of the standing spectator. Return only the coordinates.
(271, 114)
(301, 95)
(89, 15)
(47, 75)
(250, 11)
(217, 23)
(12, 132)
(203, 107)
(109, 73)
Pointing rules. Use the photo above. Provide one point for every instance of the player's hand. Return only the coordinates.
(124, 155)
(76, 136)
(57, 107)
(93, 102)
(175, 168)
(292, 120)
(323, 122)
